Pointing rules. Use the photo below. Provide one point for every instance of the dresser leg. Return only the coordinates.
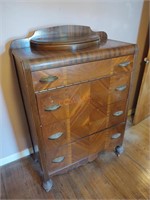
(47, 185)
(119, 150)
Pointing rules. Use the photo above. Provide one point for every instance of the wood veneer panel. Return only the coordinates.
(121, 69)
(81, 72)
(117, 81)
(111, 143)
(72, 153)
(113, 108)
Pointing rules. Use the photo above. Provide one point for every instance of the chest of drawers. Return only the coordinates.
(74, 85)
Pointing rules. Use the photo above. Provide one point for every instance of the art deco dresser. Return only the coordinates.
(74, 84)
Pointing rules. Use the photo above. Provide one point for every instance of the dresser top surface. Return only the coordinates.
(39, 59)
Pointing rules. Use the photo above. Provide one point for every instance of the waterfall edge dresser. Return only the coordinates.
(74, 84)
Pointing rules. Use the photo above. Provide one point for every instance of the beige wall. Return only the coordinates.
(119, 18)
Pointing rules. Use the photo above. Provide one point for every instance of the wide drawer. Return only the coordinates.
(78, 103)
(57, 77)
(65, 155)
(69, 130)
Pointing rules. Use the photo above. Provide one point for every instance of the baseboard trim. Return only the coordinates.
(16, 156)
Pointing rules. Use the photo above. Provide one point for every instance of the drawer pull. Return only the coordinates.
(121, 88)
(116, 135)
(48, 79)
(124, 64)
(59, 159)
(55, 136)
(53, 107)
(118, 113)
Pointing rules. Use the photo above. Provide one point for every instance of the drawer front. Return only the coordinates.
(76, 104)
(46, 79)
(58, 158)
(116, 113)
(122, 64)
(67, 154)
(106, 140)
(52, 78)
(97, 142)
(114, 137)
(119, 87)
(55, 135)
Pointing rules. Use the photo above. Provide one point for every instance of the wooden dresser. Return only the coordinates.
(75, 85)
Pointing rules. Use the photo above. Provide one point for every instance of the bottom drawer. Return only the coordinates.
(67, 154)
(106, 140)
(114, 137)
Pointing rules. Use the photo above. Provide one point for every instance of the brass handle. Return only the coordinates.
(116, 135)
(124, 64)
(58, 159)
(53, 107)
(118, 113)
(121, 88)
(48, 79)
(55, 136)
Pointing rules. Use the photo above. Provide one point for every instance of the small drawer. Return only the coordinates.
(119, 87)
(122, 64)
(114, 137)
(67, 154)
(116, 113)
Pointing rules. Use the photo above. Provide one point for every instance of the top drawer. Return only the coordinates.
(57, 77)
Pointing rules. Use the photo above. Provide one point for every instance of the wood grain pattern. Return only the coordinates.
(120, 69)
(83, 148)
(124, 177)
(80, 101)
(81, 72)
(72, 153)
(118, 81)
(111, 143)
(115, 107)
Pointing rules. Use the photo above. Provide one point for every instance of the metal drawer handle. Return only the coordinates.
(116, 135)
(121, 88)
(118, 113)
(124, 64)
(48, 79)
(146, 60)
(55, 136)
(53, 107)
(59, 159)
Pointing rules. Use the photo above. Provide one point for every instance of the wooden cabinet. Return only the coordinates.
(75, 90)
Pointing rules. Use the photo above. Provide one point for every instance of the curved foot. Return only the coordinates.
(47, 185)
(119, 150)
